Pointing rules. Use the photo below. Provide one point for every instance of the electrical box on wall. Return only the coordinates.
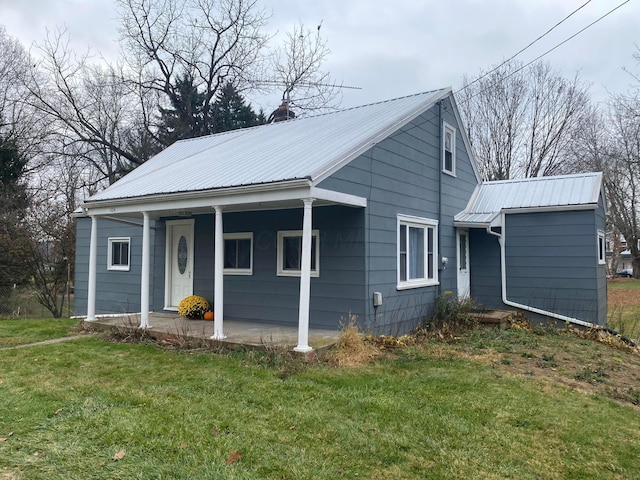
(377, 299)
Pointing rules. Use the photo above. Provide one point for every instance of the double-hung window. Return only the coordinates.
(449, 149)
(290, 253)
(118, 256)
(602, 259)
(417, 252)
(238, 253)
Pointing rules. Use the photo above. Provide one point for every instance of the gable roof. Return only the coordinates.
(310, 148)
(562, 192)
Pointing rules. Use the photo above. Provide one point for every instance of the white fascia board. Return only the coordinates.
(223, 198)
(338, 197)
(201, 199)
(555, 208)
(471, 224)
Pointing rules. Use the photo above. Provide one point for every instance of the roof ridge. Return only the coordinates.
(297, 119)
(544, 178)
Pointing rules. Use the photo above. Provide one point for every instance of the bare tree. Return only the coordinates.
(522, 121)
(297, 67)
(91, 108)
(622, 172)
(211, 42)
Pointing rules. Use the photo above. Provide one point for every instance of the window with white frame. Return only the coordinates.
(449, 149)
(417, 252)
(238, 253)
(290, 253)
(601, 248)
(119, 253)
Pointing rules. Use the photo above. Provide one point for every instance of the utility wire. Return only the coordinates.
(541, 55)
(528, 46)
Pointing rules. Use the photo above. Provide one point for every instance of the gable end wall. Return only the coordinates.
(401, 175)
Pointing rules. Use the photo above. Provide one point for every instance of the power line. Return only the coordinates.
(543, 54)
(528, 46)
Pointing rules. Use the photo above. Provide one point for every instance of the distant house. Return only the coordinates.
(370, 211)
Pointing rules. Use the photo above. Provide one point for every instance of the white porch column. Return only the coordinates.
(218, 278)
(305, 280)
(144, 281)
(93, 255)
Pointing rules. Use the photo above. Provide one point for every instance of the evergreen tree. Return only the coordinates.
(231, 111)
(185, 119)
(14, 236)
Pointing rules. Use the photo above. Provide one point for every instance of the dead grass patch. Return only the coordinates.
(352, 347)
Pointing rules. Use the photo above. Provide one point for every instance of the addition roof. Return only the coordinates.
(561, 192)
(308, 149)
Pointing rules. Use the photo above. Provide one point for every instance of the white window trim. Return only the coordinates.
(602, 254)
(240, 236)
(412, 221)
(121, 268)
(296, 233)
(446, 127)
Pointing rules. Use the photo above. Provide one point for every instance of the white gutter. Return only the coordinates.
(506, 301)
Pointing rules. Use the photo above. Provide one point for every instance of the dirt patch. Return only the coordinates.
(566, 358)
(623, 298)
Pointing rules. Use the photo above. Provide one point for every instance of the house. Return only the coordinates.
(370, 211)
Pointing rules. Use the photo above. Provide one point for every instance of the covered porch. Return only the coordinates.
(284, 196)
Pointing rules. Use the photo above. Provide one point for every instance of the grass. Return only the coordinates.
(438, 410)
(22, 331)
(624, 306)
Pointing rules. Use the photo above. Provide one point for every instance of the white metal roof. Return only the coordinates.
(560, 192)
(306, 148)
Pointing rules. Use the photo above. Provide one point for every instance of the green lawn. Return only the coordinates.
(22, 331)
(424, 412)
(624, 307)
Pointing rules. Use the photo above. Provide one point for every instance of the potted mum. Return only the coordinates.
(193, 307)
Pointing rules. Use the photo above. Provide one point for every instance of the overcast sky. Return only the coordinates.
(401, 47)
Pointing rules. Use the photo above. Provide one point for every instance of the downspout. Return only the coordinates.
(503, 272)
(440, 160)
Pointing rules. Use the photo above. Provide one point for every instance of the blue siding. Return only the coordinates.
(269, 298)
(484, 263)
(401, 175)
(116, 291)
(552, 263)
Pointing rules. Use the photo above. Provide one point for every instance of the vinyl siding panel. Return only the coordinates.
(484, 262)
(116, 291)
(267, 297)
(552, 263)
(401, 175)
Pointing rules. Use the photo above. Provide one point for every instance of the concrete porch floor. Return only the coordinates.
(238, 333)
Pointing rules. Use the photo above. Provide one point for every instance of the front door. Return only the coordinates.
(179, 261)
(464, 282)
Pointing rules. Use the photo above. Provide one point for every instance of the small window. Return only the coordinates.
(449, 149)
(290, 253)
(119, 254)
(601, 248)
(417, 252)
(238, 253)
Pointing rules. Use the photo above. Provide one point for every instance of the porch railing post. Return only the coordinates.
(218, 278)
(93, 255)
(305, 280)
(144, 281)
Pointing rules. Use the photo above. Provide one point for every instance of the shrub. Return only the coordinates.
(452, 311)
(193, 307)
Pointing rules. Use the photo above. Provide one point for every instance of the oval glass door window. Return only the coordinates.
(183, 254)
